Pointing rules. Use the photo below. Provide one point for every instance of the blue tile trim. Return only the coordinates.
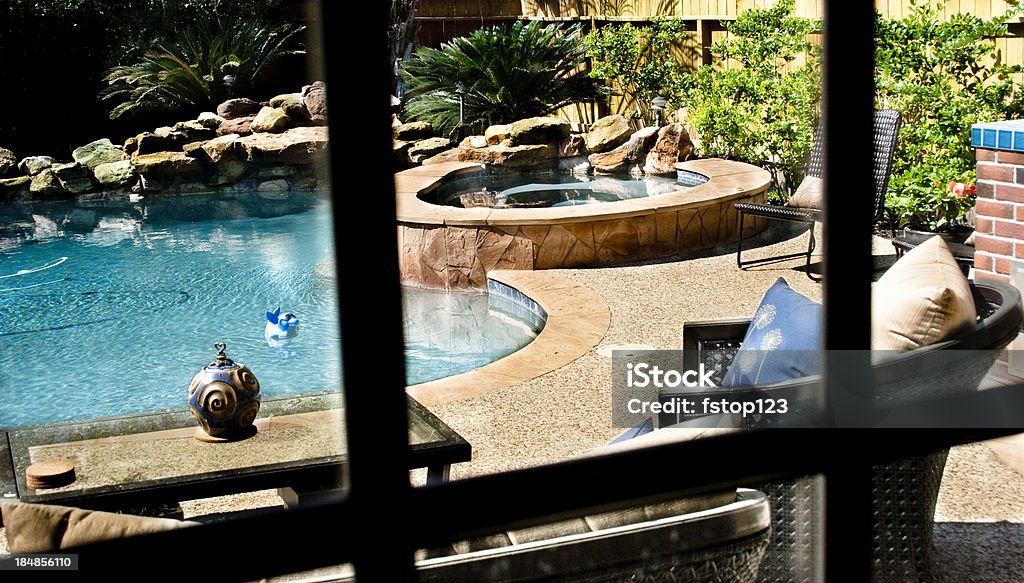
(1000, 135)
(988, 138)
(1005, 140)
(514, 303)
(1018, 141)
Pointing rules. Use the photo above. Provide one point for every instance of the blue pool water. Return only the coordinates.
(111, 308)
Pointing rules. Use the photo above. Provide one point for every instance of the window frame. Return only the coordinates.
(381, 547)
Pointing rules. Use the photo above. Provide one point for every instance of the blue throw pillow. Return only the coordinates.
(782, 342)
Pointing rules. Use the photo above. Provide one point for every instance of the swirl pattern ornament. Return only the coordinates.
(224, 397)
(218, 400)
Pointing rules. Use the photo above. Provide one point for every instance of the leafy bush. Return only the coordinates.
(188, 72)
(939, 74)
(640, 63)
(763, 109)
(504, 73)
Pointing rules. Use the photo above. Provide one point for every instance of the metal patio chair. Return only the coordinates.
(886, 131)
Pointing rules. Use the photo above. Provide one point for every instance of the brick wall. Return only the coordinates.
(999, 224)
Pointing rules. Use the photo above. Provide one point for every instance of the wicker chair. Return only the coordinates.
(904, 492)
(714, 538)
(887, 127)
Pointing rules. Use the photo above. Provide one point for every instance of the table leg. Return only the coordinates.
(438, 474)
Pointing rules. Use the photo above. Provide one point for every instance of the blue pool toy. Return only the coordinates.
(280, 327)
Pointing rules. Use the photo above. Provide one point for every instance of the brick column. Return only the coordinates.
(999, 222)
(999, 226)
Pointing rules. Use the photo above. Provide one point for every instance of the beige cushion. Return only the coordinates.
(923, 298)
(39, 528)
(809, 194)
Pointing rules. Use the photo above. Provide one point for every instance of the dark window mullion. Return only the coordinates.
(370, 303)
(847, 107)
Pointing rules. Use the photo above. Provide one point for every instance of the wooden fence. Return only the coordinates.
(441, 20)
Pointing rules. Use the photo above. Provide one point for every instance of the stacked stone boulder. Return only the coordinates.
(611, 146)
(245, 146)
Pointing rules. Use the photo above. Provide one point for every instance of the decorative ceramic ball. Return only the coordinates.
(224, 397)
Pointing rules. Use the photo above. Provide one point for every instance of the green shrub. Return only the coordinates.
(639, 63)
(763, 109)
(504, 73)
(938, 73)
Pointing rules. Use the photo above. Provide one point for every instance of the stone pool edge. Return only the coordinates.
(577, 321)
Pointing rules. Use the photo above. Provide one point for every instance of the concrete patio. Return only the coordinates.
(565, 412)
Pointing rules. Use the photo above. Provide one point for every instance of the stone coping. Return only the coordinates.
(577, 321)
(726, 180)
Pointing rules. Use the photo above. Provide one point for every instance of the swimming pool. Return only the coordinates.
(110, 308)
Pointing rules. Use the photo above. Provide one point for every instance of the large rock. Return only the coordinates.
(45, 184)
(210, 120)
(220, 148)
(73, 177)
(497, 134)
(412, 131)
(537, 130)
(270, 119)
(225, 156)
(500, 155)
(33, 165)
(166, 138)
(229, 172)
(315, 98)
(167, 165)
(292, 106)
(15, 188)
(151, 143)
(8, 162)
(115, 174)
(303, 145)
(424, 149)
(608, 133)
(673, 144)
(624, 156)
(473, 142)
(189, 131)
(240, 125)
(99, 152)
(236, 108)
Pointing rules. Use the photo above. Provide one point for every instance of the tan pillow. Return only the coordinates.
(923, 298)
(809, 194)
(39, 528)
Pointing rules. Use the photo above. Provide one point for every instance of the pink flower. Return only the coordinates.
(960, 190)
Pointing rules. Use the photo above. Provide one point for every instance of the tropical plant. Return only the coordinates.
(763, 107)
(941, 75)
(190, 71)
(497, 75)
(640, 63)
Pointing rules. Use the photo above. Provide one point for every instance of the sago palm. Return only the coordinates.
(502, 74)
(188, 73)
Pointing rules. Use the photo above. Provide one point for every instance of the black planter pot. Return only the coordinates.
(919, 235)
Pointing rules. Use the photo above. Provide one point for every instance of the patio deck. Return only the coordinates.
(565, 412)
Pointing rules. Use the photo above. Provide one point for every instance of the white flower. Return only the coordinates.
(771, 340)
(764, 316)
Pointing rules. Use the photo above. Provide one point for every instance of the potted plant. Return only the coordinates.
(935, 205)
